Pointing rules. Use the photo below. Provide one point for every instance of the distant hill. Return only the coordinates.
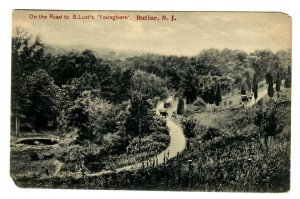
(104, 53)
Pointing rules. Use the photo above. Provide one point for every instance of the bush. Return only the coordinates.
(211, 133)
(33, 156)
(94, 166)
(199, 102)
(153, 143)
(189, 127)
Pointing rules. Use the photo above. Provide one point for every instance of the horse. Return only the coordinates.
(163, 113)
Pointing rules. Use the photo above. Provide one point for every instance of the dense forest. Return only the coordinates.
(108, 104)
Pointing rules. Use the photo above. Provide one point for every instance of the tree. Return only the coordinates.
(209, 62)
(248, 81)
(278, 82)
(218, 98)
(41, 102)
(255, 86)
(92, 116)
(27, 56)
(212, 96)
(265, 61)
(141, 115)
(189, 126)
(255, 91)
(123, 83)
(243, 89)
(189, 84)
(270, 87)
(150, 85)
(289, 70)
(288, 78)
(287, 82)
(180, 106)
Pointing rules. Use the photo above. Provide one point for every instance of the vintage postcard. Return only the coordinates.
(181, 101)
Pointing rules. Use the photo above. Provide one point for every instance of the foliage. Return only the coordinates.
(110, 104)
(180, 106)
(150, 85)
(41, 100)
(278, 82)
(265, 61)
(255, 87)
(218, 98)
(152, 143)
(189, 84)
(240, 163)
(288, 78)
(141, 115)
(243, 90)
(93, 117)
(288, 82)
(189, 126)
(270, 87)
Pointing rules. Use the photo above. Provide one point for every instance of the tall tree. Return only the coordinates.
(288, 78)
(264, 61)
(255, 91)
(141, 115)
(243, 89)
(212, 96)
(270, 87)
(180, 106)
(189, 83)
(27, 56)
(248, 80)
(278, 82)
(218, 95)
(41, 104)
(123, 83)
(255, 86)
(288, 82)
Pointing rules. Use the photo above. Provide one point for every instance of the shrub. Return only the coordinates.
(153, 143)
(199, 102)
(33, 156)
(189, 126)
(211, 133)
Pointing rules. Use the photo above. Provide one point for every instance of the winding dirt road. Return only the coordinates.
(177, 143)
(260, 94)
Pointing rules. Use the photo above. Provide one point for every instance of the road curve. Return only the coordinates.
(262, 93)
(177, 143)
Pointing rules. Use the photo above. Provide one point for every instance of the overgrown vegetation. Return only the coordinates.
(108, 106)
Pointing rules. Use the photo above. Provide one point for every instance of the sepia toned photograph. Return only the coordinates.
(160, 101)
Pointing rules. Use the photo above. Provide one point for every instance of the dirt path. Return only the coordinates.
(177, 143)
(58, 165)
(260, 94)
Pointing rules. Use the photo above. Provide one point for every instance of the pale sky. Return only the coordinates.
(188, 35)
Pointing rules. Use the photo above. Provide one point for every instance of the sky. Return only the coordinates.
(188, 35)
